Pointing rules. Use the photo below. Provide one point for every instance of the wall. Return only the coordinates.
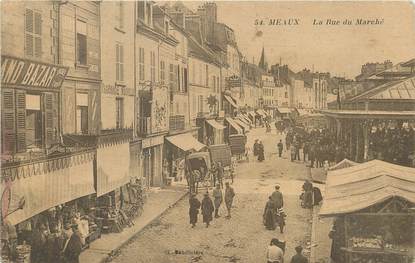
(122, 35)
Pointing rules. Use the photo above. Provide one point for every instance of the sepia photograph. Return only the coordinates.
(207, 131)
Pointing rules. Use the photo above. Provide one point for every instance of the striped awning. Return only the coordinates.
(231, 101)
(215, 124)
(242, 124)
(234, 125)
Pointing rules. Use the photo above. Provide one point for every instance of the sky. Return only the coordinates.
(338, 49)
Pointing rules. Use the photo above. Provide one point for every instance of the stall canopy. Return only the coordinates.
(231, 101)
(242, 124)
(244, 120)
(284, 110)
(215, 124)
(234, 125)
(361, 186)
(252, 113)
(262, 113)
(186, 142)
(246, 117)
(343, 164)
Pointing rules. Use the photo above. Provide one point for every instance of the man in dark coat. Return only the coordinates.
(277, 197)
(308, 194)
(229, 195)
(280, 147)
(207, 209)
(54, 246)
(255, 148)
(299, 258)
(218, 199)
(193, 209)
(38, 244)
(73, 247)
(261, 156)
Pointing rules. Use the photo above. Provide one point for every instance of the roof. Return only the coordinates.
(395, 90)
(365, 114)
(200, 52)
(361, 186)
(215, 124)
(409, 63)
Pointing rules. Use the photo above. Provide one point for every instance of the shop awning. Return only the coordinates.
(242, 124)
(46, 184)
(262, 113)
(230, 100)
(186, 142)
(113, 163)
(244, 120)
(284, 110)
(360, 186)
(234, 125)
(215, 124)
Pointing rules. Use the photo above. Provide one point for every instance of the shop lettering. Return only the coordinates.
(27, 73)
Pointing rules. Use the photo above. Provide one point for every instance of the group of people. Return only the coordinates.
(318, 147)
(259, 150)
(208, 207)
(276, 249)
(274, 213)
(55, 247)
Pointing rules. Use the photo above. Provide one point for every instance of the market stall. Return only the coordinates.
(372, 204)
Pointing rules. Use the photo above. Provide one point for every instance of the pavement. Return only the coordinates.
(158, 202)
(243, 238)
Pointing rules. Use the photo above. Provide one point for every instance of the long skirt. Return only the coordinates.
(269, 220)
(261, 156)
(193, 216)
(207, 218)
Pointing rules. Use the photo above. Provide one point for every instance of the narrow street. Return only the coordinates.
(243, 238)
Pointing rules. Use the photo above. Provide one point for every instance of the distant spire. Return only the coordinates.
(262, 62)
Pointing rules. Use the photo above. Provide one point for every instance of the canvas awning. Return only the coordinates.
(360, 186)
(262, 113)
(246, 117)
(215, 124)
(234, 125)
(186, 142)
(244, 120)
(253, 114)
(284, 110)
(242, 124)
(230, 100)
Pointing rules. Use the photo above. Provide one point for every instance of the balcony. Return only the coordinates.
(177, 123)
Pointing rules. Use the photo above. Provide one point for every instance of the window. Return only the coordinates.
(34, 127)
(178, 78)
(141, 10)
(171, 77)
(162, 72)
(200, 107)
(119, 62)
(82, 113)
(81, 43)
(33, 34)
(120, 14)
(185, 82)
(153, 66)
(141, 74)
(119, 118)
(207, 75)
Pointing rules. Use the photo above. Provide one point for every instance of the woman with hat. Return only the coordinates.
(207, 209)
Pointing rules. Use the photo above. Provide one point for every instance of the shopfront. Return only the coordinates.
(30, 98)
(152, 161)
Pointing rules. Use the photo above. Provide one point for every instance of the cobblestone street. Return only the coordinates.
(243, 238)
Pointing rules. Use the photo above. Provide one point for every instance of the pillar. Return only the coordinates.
(365, 141)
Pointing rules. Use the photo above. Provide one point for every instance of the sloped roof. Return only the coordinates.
(360, 186)
(343, 164)
(396, 90)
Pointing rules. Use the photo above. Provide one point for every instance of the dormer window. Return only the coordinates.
(145, 12)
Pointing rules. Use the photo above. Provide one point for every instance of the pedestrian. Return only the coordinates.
(297, 149)
(280, 147)
(306, 149)
(219, 174)
(299, 257)
(308, 194)
(194, 205)
(229, 195)
(218, 199)
(261, 150)
(54, 246)
(73, 247)
(292, 152)
(255, 147)
(38, 244)
(207, 209)
(213, 172)
(277, 197)
(274, 253)
(268, 217)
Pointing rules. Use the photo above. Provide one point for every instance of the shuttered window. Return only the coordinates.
(33, 33)
(8, 121)
(141, 74)
(119, 62)
(162, 72)
(153, 66)
(172, 78)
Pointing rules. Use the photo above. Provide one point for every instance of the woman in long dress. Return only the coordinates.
(261, 156)
(269, 218)
(207, 209)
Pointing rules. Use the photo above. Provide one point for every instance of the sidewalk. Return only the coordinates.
(158, 202)
(320, 241)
